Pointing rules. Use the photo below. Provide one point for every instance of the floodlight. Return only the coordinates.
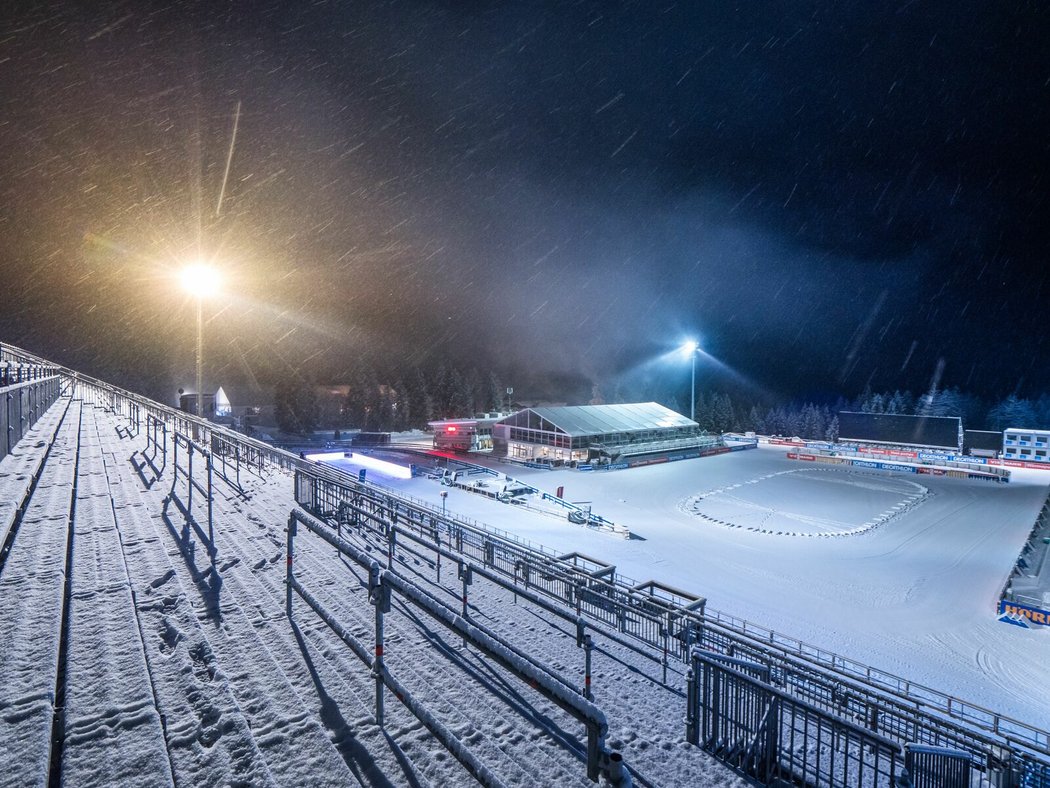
(200, 280)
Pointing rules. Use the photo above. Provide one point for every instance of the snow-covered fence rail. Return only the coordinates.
(156, 443)
(402, 537)
(191, 450)
(230, 456)
(647, 613)
(381, 586)
(22, 402)
(905, 722)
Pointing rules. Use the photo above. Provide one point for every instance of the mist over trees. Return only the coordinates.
(403, 399)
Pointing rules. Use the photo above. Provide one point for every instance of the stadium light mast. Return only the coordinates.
(691, 348)
(201, 281)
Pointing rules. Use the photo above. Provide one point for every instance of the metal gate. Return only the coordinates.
(937, 767)
(737, 715)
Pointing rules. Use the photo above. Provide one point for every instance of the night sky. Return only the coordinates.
(827, 195)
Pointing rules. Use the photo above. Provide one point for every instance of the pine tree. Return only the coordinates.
(296, 407)
(832, 432)
(495, 394)
(721, 413)
(402, 407)
(755, 422)
(420, 401)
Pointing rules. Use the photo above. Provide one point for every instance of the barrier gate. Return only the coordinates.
(737, 714)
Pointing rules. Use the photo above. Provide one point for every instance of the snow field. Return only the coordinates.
(808, 502)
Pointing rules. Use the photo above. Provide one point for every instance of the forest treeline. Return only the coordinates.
(386, 402)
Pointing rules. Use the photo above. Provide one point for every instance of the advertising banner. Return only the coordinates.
(1023, 615)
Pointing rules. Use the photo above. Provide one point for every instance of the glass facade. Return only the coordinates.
(582, 433)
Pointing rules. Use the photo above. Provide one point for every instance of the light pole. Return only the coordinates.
(200, 280)
(692, 348)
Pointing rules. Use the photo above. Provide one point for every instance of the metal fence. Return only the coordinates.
(775, 738)
(21, 404)
(231, 456)
(648, 613)
(182, 495)
(382, 586)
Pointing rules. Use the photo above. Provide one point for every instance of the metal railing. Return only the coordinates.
(230, 456)
(156, 443)
(382, 584)
(774, 738)
(21, 404)
(191, 450)
(648, 613)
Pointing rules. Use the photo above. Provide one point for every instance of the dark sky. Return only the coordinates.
(825, 194)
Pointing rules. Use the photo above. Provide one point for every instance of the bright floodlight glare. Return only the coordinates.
(690, 347)
(200, 280)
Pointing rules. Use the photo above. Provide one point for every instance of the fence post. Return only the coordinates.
(189, 475)
(465, 575)
(663, 661)
(437, 541)
(211, 531)
(692, 731)
(378, 595)
(288, 571)
(587, 646)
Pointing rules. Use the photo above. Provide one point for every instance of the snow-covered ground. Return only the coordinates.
(172, 660)
(176, 664)
(914, 595)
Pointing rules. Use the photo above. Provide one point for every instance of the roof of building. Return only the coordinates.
(580, 420)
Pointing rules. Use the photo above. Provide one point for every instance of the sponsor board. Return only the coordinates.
(715, 450)
(650, 461)
(883, 466)
(1037, 466)
(792, 455)
(898, 453)
(932, 471)
(807, 457)
(1014, 613)
(864, 463)
(892, 466)
(743, 446)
